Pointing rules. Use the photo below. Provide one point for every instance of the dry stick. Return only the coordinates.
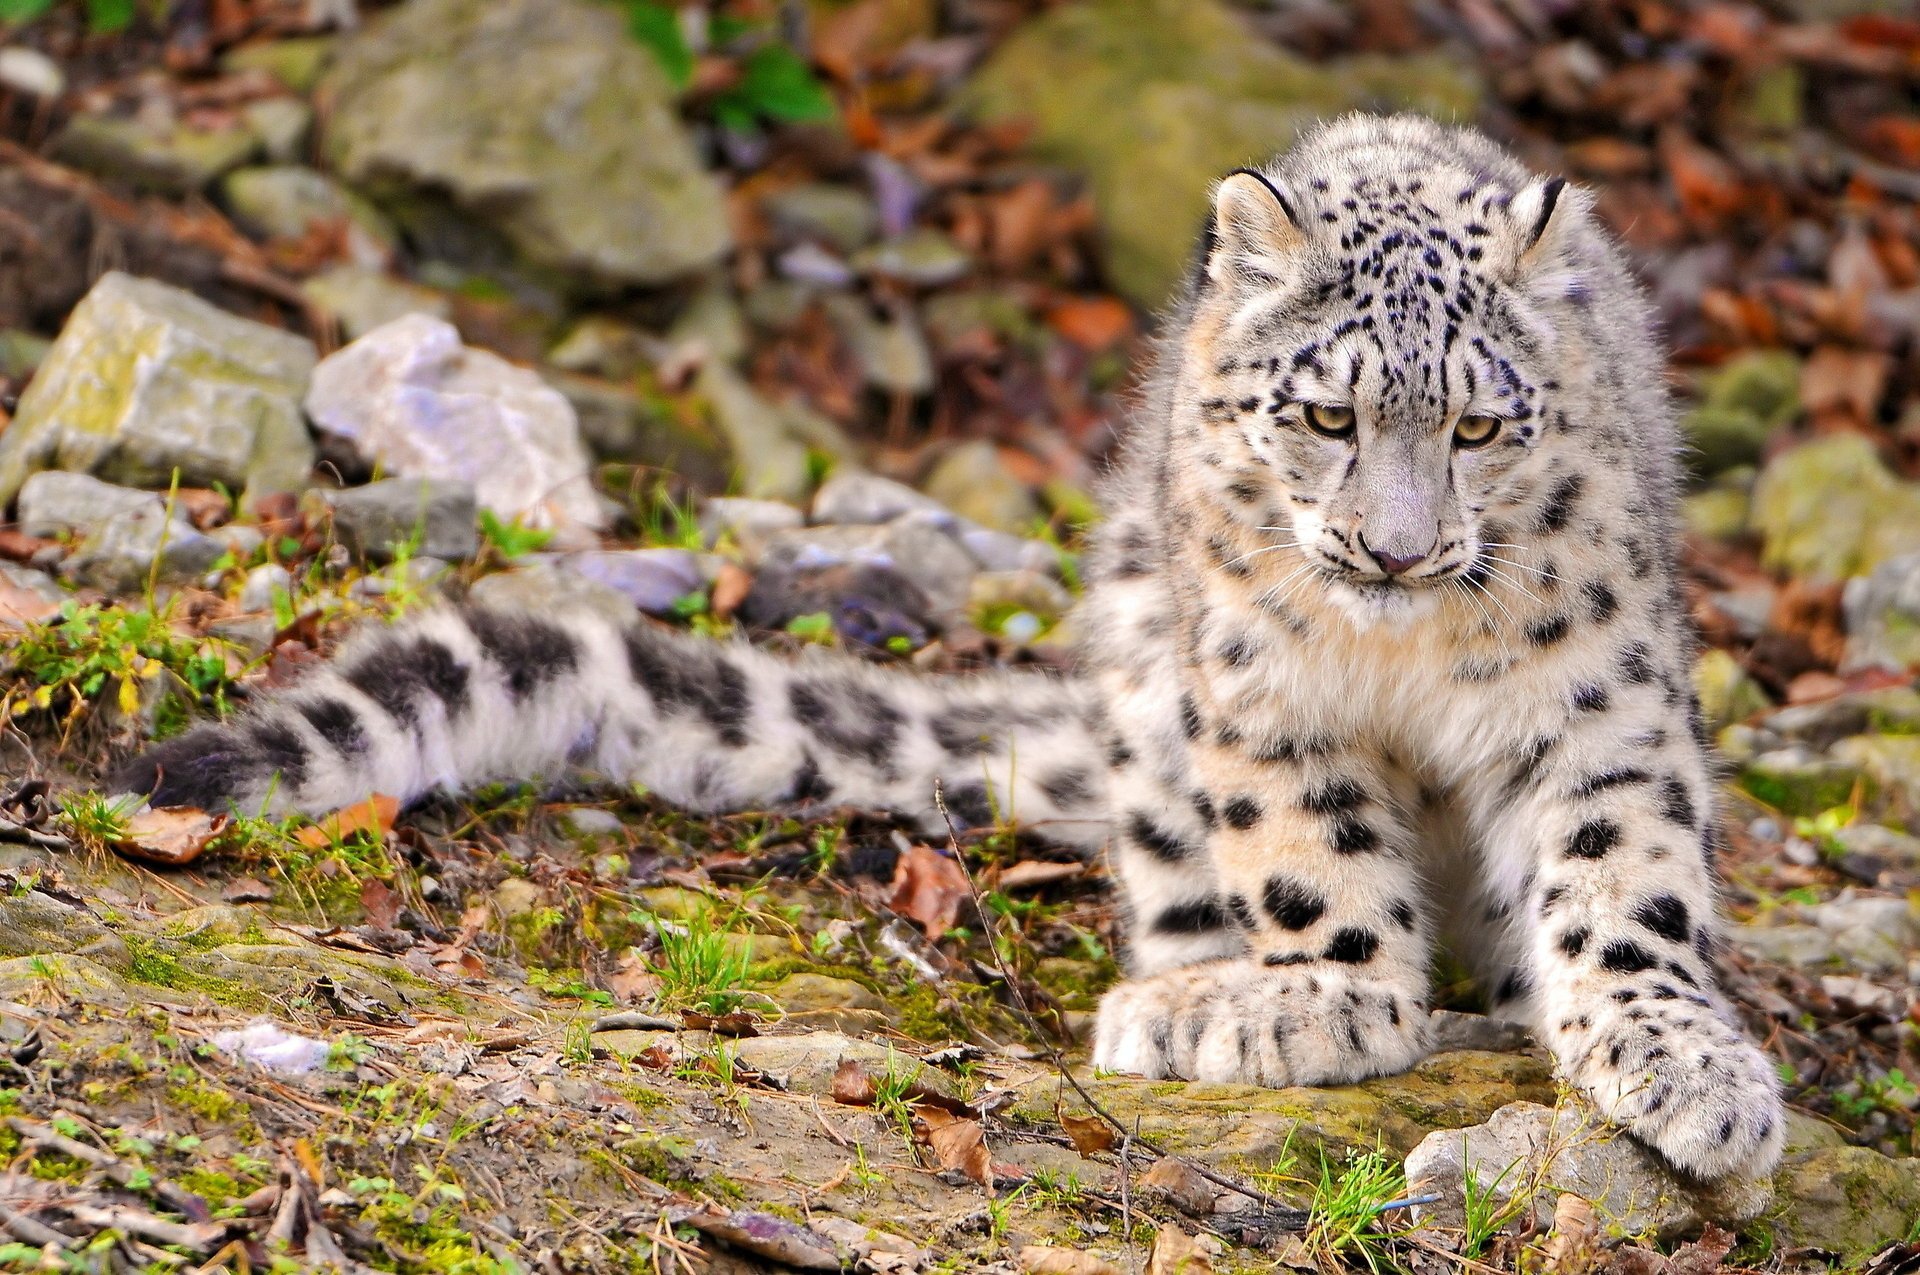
(1053, 1050)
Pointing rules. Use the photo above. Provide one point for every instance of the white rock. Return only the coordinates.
(1534, 1153)
(31, 72)
(856, 496)
(414, 400)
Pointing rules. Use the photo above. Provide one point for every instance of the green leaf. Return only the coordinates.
(23, 10)
(776, 83)
(658, 27)
(104, 17)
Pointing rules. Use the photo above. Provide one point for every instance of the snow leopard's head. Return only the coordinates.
(1376, 351)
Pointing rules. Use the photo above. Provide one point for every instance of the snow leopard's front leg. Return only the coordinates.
(1309, 842)
(1619, 925)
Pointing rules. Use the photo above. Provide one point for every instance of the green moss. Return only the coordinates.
(156, 962)
(209, 1102)
(642, 1097)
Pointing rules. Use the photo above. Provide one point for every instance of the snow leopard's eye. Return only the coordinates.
(1334, 422)
(1475, 431)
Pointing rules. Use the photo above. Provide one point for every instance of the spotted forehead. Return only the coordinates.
(1404, 292)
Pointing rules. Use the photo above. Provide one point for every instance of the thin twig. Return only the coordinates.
(1053, 1051)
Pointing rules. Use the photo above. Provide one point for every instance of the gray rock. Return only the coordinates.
(908, 569)
(600, 345)
(1891, 763)
(544, 120)
(619, 425)
(712, 325)
(839, 216)
(972, 481)
(119, 554)
(923, 257)
(853, 496)
(773, 462)
(1870, 931)
(146, 378)
(1880, 843)
(295, 63)
(29, 71)
(364, 298)
(806, 1064)
(1798, 781)
(1152, 100)
(411, 398)
(284, 126)
(1883, 615)
(157, 154)
(415, 575)
(746, 523)
(811, 265)
(1028, 592)
(435, 517)
(650, 579)
(1533, 1154)
(1801, 946)
(264, 585)
(538, 584)
(999, 551)
(286, 201)
(1826, 722)
(892, 352)
(1448, 1031)
(55, 503)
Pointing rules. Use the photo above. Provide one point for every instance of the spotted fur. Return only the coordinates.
(1345, 694)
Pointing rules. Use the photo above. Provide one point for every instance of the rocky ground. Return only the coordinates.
(814, 322)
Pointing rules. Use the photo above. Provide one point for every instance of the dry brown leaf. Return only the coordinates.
(381, 903)
(1575, 1240)
(172, 837)
(1091, 1135)
(1848, 382)
(1186, 1190)
(1047, 1259)
(1092, 323)
(1704, 1255)
(1177, 1253)
(962, 1144)
(376, 815)
(928, 888)
(1029, 873)
(730, 587)
(852, 1086)
(631, 981)
(246, 890)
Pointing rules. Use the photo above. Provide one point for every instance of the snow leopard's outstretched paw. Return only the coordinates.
(1242, 1021)
(1688, 1084)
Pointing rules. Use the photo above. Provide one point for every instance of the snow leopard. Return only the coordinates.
(1383, 644)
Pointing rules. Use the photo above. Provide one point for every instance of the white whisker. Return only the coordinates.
(1512, 583)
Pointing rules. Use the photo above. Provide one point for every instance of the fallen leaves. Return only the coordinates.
(929, 889)
(1177, 1253)
(1090, 1134)
(375, 815)
(1049, 1259)
(173, 837)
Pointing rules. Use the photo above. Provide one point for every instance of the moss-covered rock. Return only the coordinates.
(34, 924)
(164, 155)
(1254, 1130)
(146, 378)
(1727, 694)
(1155, 99)
(1741, 404)
(1847, 1200)
(1830, 509)
(542, 120)
(1801, 785)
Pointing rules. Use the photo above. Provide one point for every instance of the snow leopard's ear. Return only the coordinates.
(1253, 232)
(1545, 215)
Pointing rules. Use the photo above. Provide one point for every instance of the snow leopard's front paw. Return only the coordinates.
(1243, 1021)
(1687, 1084)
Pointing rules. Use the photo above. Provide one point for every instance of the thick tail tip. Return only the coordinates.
(209, 767)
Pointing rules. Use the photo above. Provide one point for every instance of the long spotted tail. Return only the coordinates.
(458, 697)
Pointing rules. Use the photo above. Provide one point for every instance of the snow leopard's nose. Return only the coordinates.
(1394, 563)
